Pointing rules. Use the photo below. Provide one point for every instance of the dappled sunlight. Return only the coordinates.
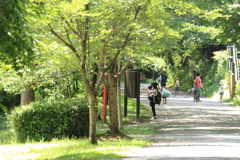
(21, 151)
(200, 128)
(186, 129)
(189, 151)
(27, 156)
(118, 150)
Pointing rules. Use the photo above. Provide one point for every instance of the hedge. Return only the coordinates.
(49, 119)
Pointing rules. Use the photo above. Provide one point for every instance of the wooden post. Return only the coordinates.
(105, 100)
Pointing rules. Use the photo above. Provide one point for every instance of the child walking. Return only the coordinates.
(177, 86)
(163, 96)
(221, 91)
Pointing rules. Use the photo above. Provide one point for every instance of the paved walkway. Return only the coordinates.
(187, 130)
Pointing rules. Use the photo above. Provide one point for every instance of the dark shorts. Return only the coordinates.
(177, 88)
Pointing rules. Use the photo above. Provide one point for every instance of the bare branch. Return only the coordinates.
(61, 39)
(79, 29)
(64, 42)
(68, 36)
(124, 68)
(73, 29)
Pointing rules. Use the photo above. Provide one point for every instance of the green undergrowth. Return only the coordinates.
(130, 122)
(113, 146)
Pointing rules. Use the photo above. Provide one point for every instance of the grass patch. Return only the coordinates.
(109, 146)
(6, 136)
(144, 130)
(145, 114)
(236, 102)
(227, 99)
(72, 149)
(3, 123)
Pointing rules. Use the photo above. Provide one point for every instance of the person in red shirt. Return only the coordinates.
(198, 86)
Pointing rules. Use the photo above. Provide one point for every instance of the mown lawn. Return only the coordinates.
(109, 146)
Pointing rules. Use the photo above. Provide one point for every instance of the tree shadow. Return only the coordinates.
(90, 156)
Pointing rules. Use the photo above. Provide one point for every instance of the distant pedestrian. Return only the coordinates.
(154, 92)
(221, 91)
(177, 86)
(163, 78)
(198, 86)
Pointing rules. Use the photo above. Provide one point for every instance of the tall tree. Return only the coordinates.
(89, 31)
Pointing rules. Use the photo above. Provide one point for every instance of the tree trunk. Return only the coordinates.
(27, 96)
(112, 92)
(92, 117)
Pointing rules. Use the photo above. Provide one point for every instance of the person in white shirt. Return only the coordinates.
(221, 90)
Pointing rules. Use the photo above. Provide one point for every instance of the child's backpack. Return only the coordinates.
(158, 98)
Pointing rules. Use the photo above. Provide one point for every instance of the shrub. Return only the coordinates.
(50, 119)
(3, 109)
(236, 99)
(237, 90)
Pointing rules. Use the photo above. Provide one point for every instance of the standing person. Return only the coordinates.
(221, 90)
(177, 86)
(198, 86)
(152, 103)
(163, 96)
(150, 94)
(163, 78)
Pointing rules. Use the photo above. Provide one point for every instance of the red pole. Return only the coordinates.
(105, 100)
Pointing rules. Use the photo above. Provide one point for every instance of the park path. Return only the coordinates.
(188, 130)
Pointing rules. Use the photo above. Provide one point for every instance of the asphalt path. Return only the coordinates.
(188, 130)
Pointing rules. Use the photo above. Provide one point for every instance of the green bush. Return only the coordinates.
(50, 119)
(3, 109)
(237, 90)
(236, 99)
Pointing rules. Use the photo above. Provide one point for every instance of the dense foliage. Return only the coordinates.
(16, 44)
(237, 95)
(46, 120)
(8, 101)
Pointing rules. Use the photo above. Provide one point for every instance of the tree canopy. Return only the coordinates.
(15, 42)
